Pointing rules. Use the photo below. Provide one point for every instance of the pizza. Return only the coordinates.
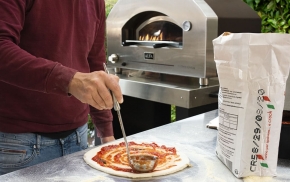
(112, 158)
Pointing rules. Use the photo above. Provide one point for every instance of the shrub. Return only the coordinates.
(275, 14)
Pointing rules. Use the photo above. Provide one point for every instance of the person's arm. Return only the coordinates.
(102, 119)
(93, 89)
(20, 68)
(107, 139)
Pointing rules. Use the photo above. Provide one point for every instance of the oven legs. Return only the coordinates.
(203, 81)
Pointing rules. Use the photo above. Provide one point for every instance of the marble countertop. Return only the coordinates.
(190, 136)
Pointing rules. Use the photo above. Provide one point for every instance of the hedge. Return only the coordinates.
(275, 14)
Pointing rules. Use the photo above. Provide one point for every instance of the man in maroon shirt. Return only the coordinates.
(51, 61)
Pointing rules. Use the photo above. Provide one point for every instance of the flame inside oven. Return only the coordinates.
(160, 31)
(157, 36)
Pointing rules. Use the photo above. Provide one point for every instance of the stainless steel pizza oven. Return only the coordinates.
(173, 36)
(163, 54)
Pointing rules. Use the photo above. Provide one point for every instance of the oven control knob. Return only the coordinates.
(113, 58)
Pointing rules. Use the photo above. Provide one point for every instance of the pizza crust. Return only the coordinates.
(183, 163)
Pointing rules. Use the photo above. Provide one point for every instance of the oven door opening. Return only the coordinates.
(157, 31)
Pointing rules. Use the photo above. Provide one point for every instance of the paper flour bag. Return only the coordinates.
(252, 71)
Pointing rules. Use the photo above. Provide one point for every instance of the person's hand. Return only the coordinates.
(107, 139)
(93, 88)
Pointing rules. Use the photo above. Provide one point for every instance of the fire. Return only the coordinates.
(148, 37)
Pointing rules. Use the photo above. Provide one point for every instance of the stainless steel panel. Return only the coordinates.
(180, 91)
(194, 59)
(287, 96)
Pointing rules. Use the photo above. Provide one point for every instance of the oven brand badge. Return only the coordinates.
(148, 55)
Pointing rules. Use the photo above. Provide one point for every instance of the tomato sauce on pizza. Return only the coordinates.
(115, 156)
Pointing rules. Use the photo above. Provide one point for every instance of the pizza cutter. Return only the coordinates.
(138, 162)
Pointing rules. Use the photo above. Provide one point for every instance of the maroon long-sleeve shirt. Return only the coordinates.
(43, 43)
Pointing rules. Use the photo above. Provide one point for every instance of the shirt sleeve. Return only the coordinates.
(34, 73)
(102, 119)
